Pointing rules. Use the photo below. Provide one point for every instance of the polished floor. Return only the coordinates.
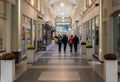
(52, 66)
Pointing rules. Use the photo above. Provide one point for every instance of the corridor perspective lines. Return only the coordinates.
(60, 67)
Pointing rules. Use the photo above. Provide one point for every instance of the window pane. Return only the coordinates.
(2, 35)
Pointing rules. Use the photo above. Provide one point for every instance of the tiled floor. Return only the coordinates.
(51, 66)
(59, 76)
(58, 67)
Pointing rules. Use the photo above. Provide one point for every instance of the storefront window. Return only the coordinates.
(2, 26)
(88, 32)
(84, 32)
(117, 34)
(26, 32)
(34, 33)
(97, 31)
(95, 34)
(2, 35)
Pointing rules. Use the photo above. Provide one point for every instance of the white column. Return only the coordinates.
(101, 47)
(7, 70)
(84, 4)
(19, 25)
(111, 70)
(8, 28)
(38, 5)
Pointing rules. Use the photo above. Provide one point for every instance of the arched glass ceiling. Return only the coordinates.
(62, 8)
(54, 1)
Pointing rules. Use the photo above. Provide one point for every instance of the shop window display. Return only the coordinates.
(26, 33)
(88, 32)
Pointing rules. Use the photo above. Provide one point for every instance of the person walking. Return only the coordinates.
(75, 42)
(59, 42)
(65, 41)
(70, 41)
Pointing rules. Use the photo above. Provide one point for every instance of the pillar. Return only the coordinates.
(19, 25)
(101, 38)
(8, 27)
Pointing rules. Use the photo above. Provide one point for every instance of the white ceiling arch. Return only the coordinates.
(62, 8)
(54, 1)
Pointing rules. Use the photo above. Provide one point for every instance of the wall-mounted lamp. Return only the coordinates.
(97, 4)
(77, 21)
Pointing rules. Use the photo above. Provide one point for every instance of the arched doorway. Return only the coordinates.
(116, 32)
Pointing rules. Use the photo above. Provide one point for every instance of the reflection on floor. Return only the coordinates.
(59, 67)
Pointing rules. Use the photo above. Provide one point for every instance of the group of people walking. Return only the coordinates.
(72, 41)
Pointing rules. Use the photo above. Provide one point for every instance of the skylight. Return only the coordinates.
(54, 1)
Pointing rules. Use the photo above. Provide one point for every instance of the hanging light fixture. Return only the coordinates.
(62, 13)
(63, 17)
(62, 4)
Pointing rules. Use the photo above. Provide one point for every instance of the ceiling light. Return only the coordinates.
(119, 15)
(62, 17)
(62, 13)
(62, 4)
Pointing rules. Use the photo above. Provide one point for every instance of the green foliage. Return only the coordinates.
(30, 47)
(89, 46)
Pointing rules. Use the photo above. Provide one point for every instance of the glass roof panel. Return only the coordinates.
(54, 1)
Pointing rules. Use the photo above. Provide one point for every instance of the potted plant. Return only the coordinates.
(30, 54)
(110, 56)
(111, 67)
(83, 48)
(7, 67)
(83, 43)
(89, 51)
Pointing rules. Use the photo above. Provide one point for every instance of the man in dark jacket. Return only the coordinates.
(75, 42)
(65, 41)
(59, 42)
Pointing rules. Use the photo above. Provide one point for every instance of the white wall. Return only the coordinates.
(108, 11)
(90, 13)
(28, 10)
(66, 19)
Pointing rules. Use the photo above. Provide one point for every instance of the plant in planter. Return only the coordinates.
(83, 43)
(7, 56)
(30, 47)
(88, 46)
(89, 51)
(83, 47)
(110, 56)
(30, 54)
(111, 68)
(7, 67)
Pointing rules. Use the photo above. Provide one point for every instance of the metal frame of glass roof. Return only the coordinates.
(54, 1)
